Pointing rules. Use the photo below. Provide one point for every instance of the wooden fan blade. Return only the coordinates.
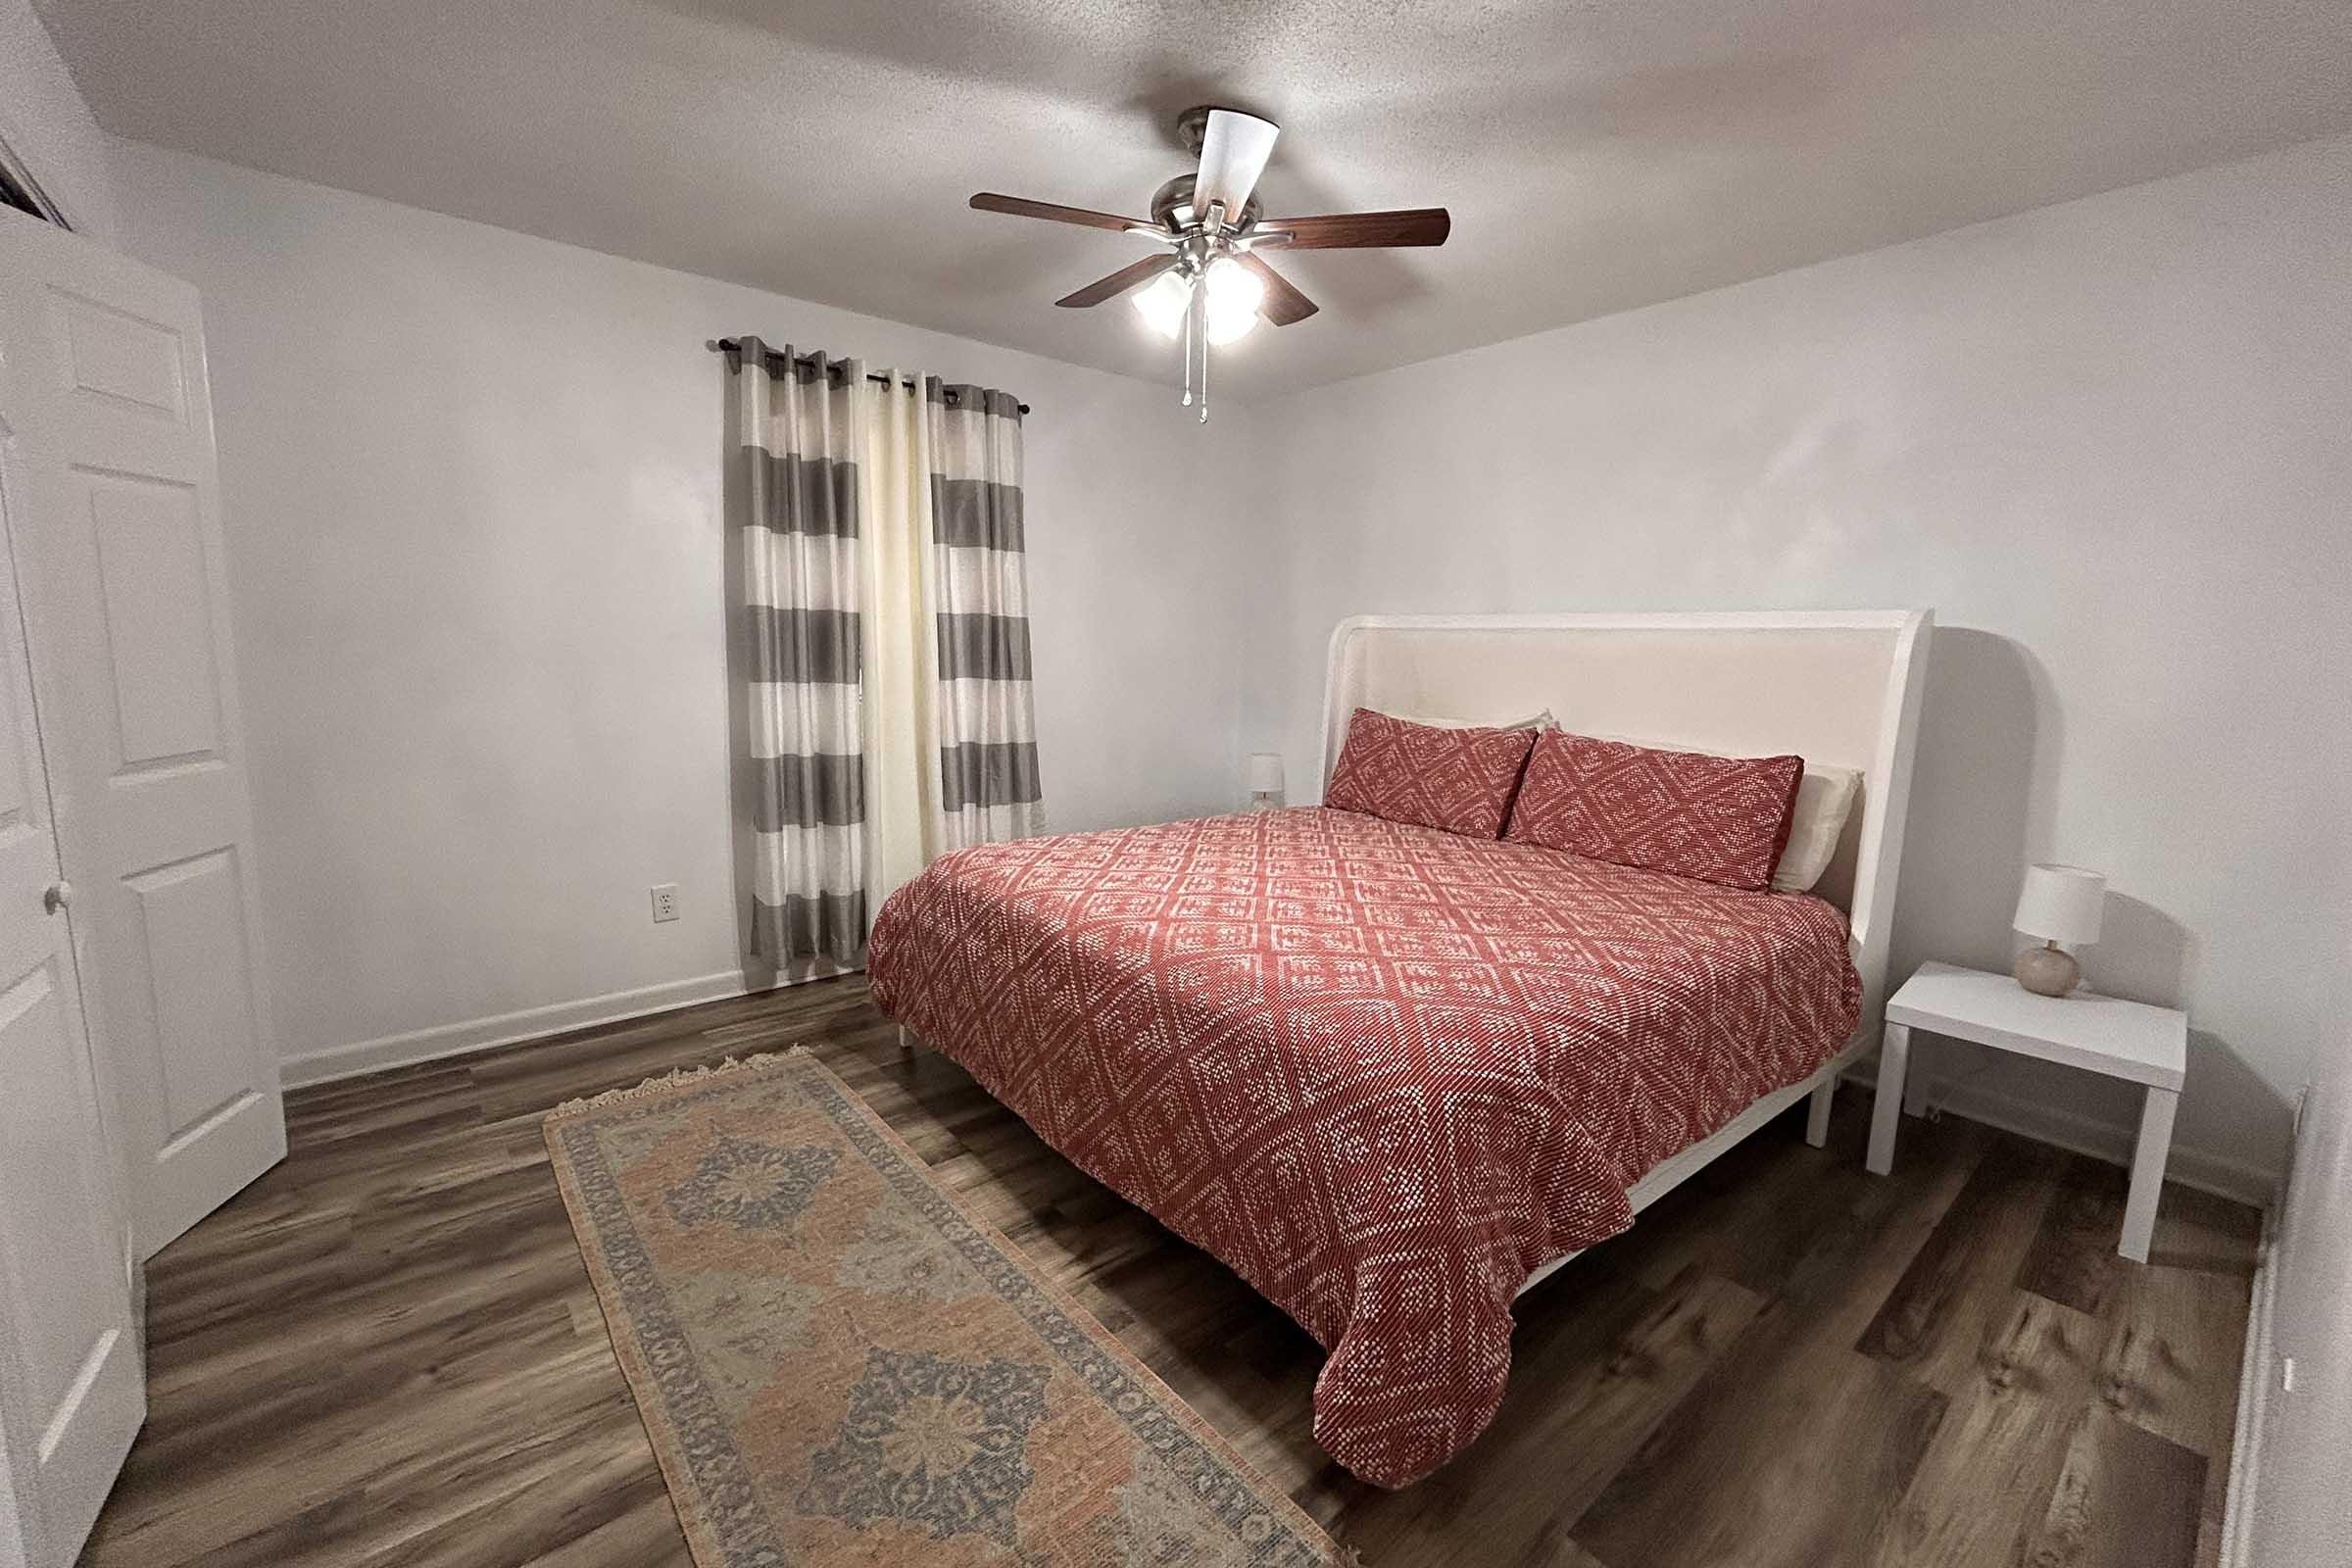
(1411, 225)
(1118, 283)
(1283, 304)
(988, 201)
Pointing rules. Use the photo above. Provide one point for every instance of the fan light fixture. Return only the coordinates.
(1209, 286)
(1163, 304)
(1233, 295)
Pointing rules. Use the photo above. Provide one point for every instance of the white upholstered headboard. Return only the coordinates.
(1836, 687)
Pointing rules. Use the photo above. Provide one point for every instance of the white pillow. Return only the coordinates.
(1541, 720)
(1825, 799)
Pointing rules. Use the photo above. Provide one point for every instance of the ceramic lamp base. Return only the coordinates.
(2047, 971)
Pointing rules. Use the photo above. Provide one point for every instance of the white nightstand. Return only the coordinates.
(2129, 1039)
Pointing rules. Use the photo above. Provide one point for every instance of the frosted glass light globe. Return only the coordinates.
(1162, 304)
(1233, 295)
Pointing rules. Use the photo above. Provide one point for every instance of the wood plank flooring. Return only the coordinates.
(386, 1352)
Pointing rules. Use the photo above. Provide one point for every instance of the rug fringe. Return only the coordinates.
(677, 1078)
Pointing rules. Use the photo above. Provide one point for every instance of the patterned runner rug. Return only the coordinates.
(838, 1365)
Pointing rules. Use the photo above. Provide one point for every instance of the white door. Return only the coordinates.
(125, 595)
(71, 1390)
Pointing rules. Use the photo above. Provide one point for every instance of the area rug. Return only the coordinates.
(838, 1365)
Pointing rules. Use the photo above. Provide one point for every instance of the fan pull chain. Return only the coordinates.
(1204, 378)
(1196, 321)
(1188, 356)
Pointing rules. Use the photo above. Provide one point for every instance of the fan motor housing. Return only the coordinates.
(1172, 208)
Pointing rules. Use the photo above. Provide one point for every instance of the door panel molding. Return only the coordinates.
(72, 1389)
(126, 609)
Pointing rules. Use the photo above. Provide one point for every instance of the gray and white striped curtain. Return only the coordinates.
(987, 723)
(885, 648)
(794, 497)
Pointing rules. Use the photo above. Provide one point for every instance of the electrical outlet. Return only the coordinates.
(666, 902)
(2286, 1374)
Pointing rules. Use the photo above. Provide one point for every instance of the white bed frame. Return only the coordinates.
(1836, 687)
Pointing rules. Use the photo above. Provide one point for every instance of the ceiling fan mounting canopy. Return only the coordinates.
(1191, 127)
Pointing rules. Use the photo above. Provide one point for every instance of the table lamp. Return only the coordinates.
(1265, 780)
(2058, 903)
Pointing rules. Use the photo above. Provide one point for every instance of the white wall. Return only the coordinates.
(44, 119)
(471, 483)
(2109, 442)
(2302, 1514)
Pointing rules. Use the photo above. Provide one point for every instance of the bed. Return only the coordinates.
(1392, 1075)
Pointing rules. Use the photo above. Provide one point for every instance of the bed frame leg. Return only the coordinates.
(906, 1043)
(1817, 1115)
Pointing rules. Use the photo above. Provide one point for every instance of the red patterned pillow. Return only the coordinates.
(1716, 819)
(1457, 779)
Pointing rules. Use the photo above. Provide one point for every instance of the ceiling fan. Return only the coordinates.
(1211, 285)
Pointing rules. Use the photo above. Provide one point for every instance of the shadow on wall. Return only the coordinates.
(2218, 1074)
(1991, 740)
(1987, 751)
(2144, 955)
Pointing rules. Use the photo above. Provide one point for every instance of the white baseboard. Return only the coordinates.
(2253, 1408)
(502, 1029)
(2206, 1170)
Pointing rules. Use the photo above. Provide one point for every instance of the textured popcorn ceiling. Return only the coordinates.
(1595, 155)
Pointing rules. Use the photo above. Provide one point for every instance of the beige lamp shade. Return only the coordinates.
(1265, 772)
(2061, 904)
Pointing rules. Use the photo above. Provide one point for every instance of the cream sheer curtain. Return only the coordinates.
(901, 639)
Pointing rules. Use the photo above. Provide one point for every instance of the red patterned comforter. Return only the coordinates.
(1384, 1072)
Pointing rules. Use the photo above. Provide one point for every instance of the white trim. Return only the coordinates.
(502, 1029)
(2253, 1407)
(2208, 1171)
(19, 172)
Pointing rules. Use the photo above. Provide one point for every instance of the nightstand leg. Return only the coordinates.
(1894, 1061)
(2148, 1172)
(1915, 1087)
(1817, 1116)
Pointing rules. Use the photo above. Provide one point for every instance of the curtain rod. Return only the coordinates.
(727, 345)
